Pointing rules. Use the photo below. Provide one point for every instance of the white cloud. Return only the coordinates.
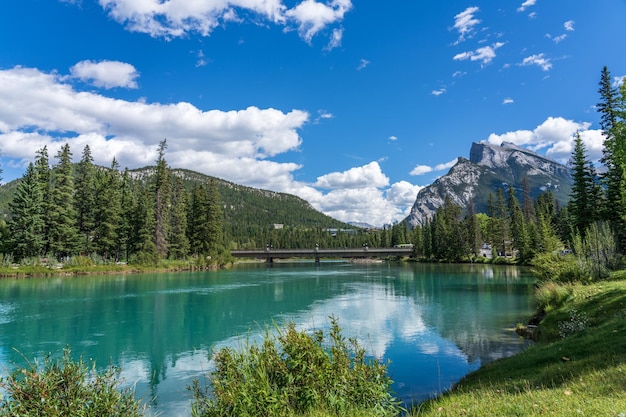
(439, 92)
(201, 62)
(363, 63)
(508, 100)
(38, 108)
(465, 22)
(557, 39)
(335, 39)
(526, 4)
(403, 193)
(177, 18)
(371, 205)
(485, 54)
(569, 27)
(322, 115)
(106, 74)
(555, 137)
(393, 138)
(312, 16)
(421, 170)
(540, 60)
(425, 169)
(619, 81)
(369, 175)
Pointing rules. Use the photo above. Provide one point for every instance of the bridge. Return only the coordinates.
(269, 254)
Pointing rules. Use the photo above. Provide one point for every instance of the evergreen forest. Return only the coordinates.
(62, 210)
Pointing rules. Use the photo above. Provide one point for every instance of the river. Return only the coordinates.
(435, 323)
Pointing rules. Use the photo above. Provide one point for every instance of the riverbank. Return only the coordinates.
(577, 367)
(84, 268)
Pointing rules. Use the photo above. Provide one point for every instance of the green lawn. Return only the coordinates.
(583, 373)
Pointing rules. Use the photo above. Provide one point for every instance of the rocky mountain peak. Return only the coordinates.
(488, 168)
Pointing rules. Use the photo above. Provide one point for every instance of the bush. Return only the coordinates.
(294, 373)
(577, 322)
(80, 261)
(561, 268)
(66, 388)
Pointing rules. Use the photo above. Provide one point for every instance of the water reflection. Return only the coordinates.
(435, 322)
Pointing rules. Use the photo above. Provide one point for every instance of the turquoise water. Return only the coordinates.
(435, 323)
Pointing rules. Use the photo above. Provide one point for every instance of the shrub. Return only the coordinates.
(296, 373)
(560, 268)
(551, 295)
(66, 388)
(80, 261)
(577, 322)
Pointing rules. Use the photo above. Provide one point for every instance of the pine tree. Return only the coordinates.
(44, 176)
(64, 237)
(527, 203)
(162, 189)
(86, 198)
(179, 244)
(26, 224)
(583, 205)
(612, 107)
(472, 227)
(108, 216)
(215, 219)
(608, 103)
(519, 234)
(143, 228)
(418, 242)
(196, 220)
(548, 240)
(499, 234)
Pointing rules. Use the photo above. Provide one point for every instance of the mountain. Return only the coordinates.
(244, 207)
(491, 167)
(253, 206)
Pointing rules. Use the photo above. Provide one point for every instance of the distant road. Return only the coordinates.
(317, 254)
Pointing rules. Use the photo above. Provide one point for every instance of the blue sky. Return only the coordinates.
(351, 105)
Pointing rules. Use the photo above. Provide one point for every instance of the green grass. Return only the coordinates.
(82, 266)
(583, 373)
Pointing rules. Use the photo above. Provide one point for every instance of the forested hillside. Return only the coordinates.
(65, 209)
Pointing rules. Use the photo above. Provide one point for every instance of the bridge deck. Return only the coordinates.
(322, 253)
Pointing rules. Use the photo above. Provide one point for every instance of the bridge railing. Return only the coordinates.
(317, 253)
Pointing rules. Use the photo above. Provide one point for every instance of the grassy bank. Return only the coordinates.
(578, 366)
(84, 266)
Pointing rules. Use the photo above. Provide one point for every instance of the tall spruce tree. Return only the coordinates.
(44, 176)
(128, 202)
(26, 224)
(143, 222)
(528, 207)
(215, 219)
(583, 205)
(64, 237)
(519, 233)
(108, 215)
(86, 199)
(162, 190)
(472, 227)
(612, 108)
(499, 233)
(178, 242)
